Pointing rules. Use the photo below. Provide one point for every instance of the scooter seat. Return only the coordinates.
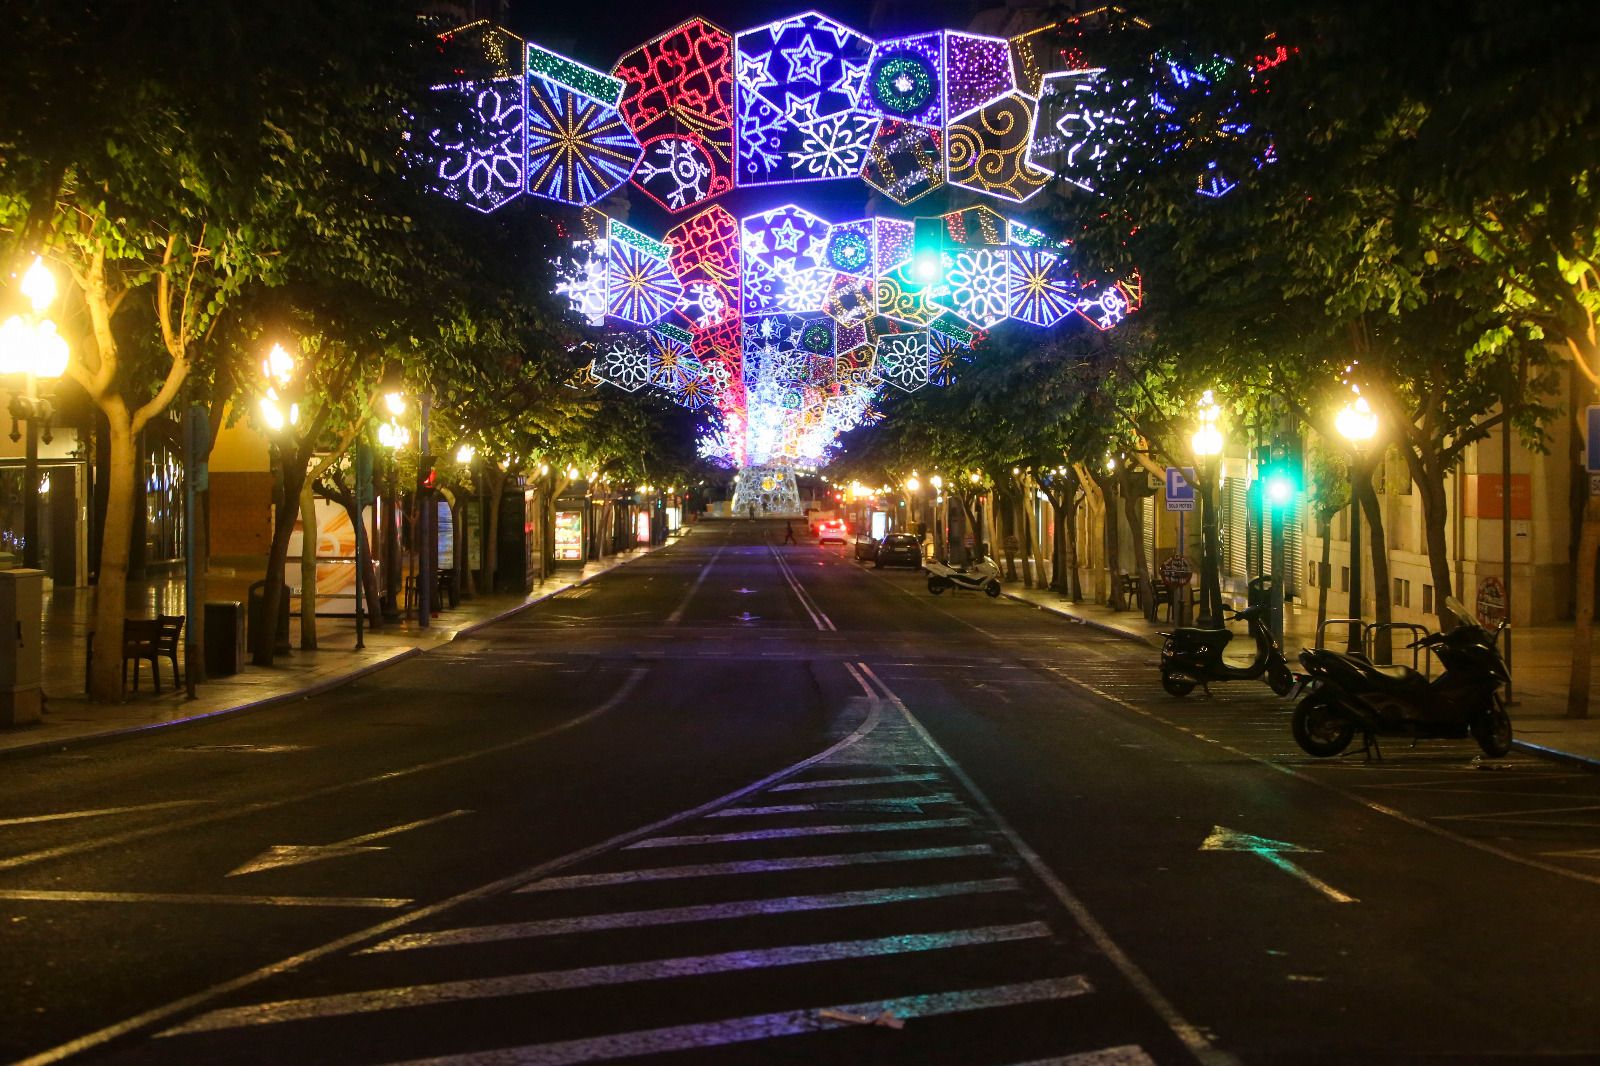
(1190, 636)
(1399, 680)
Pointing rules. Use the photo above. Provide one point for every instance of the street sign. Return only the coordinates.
(1491, 602)
(1177, 570)
(1592, 417)
(1594, 484)
(1180, 489)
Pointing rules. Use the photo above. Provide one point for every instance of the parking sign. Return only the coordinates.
(1180, 489)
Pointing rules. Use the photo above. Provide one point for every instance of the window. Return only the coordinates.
(1311, 575)
(1427, 599)
(1344, 579)
(1402, 592)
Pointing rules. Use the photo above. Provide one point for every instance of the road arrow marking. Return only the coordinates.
(1222, 839)
(295, 854)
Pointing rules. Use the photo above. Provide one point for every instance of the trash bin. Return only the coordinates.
(224, 630)
(257, 621)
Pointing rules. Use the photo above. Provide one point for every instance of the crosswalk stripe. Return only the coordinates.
(382, 999)
(701, 913)
(755, 866)
(762, 1026)
(800, 831)
(884, 804)
(852, 782)
(1126, 1055)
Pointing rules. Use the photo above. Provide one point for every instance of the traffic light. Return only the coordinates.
(927, 251)
(1280, 476)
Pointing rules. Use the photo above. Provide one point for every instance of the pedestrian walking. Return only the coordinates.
(788, 533)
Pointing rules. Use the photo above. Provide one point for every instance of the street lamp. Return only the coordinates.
(1207, 444)
(1356, 423)
(31, 346)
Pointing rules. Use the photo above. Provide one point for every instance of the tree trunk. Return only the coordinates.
(496, 483)
(1029, 542)
(1111, 540)
(1074, 583)
(1429, 480)
(1378, 545)
(111, 589)
(308, 566)
(1006, 515)
(1210, 547)
(1583, 615)
(1134, 512)
(293, 468)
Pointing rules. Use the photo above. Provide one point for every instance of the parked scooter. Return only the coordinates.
(981, 576)
(1193, 656)
(1349, 693)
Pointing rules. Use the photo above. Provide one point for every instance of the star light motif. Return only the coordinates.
(805, 62)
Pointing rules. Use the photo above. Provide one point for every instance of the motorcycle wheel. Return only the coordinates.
(992, 589)
(1280, 680)
(936, 585)
(1176, 686)
(1492, 730)
(1319, 730)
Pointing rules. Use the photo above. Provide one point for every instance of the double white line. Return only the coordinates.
(822, 621)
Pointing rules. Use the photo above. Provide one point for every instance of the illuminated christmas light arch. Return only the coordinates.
(786, 327)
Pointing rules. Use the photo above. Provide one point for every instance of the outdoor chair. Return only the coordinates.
(153, 639)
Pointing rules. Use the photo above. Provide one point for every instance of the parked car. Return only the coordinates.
(831, 529)
(902, 548)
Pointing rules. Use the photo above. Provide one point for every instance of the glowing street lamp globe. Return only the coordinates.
(1356, 421)
(39, 286)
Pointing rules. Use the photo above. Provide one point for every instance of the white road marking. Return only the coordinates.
(755, 866)
(295, 854)
(382, 999)
(1127, 1055)
(802, 831)
(1191, 1036)
(677, 614)
(821, 620)
(762, 1026)
(852, 782)
(893, 803)
(611, 703)
(63, 896)
(1271, 851)
(100, 812)
(1271, 763)
(164, 1011)
(709, 912)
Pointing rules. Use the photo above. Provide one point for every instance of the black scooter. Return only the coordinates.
(1347, 693)
(1193, 657)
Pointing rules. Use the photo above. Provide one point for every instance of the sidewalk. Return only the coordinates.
(69, 718)
(1540, 661)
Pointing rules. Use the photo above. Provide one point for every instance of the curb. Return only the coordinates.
(1091, 623)
(317, 689)
(1556, 755)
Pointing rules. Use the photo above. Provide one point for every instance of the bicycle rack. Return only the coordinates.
(1419, 662)
(1348, 623)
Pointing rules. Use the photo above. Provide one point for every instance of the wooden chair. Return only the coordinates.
(153, 639)
(1130, 591)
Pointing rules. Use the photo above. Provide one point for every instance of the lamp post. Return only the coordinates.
(1207, 445)
(1356, 423)
(31, 346)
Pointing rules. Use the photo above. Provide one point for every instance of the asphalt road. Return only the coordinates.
(742, 803)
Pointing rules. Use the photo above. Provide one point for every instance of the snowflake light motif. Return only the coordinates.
(833, 147)
(980, 286)
(1042, 288)
(902, 360)
(675, 170)
(482, 144)
(626, 363)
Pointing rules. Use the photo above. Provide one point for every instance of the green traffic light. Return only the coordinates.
(1278, 488)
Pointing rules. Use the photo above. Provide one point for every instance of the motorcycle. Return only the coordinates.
(982, 577)
(1348, 693)
(1191, 656)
